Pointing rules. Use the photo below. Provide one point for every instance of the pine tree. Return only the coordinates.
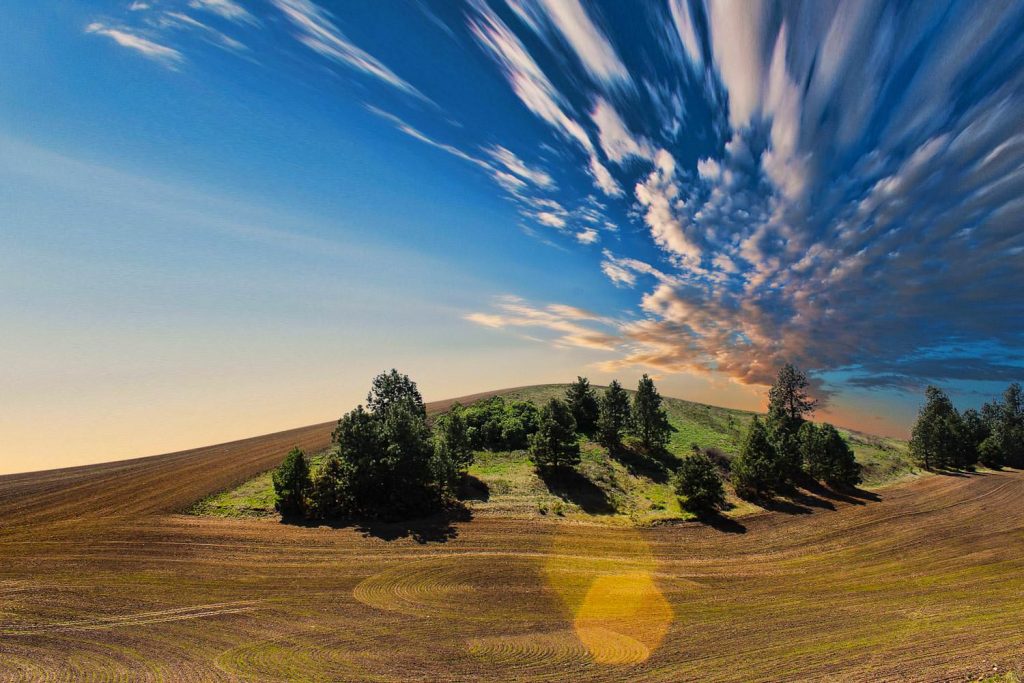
(554, 444)
(826, 456)
(650, 421)
(583, 404)
(331, 498)
(452, 444)
(292, 484)
(614, 417)
(934, 439)
(756, 471)
(788, 406)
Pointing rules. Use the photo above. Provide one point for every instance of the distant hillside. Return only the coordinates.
(629, 489)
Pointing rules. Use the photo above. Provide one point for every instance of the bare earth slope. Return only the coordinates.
(100, 579)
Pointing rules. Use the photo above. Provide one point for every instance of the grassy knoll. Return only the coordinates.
(628, 488)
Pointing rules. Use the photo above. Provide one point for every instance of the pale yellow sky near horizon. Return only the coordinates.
(166, 412)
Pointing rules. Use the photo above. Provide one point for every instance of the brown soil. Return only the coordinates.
(101, 578)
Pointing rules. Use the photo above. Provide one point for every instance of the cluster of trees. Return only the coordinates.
(944, 437)
(498, 424)
(386, 461)
(608, 418)
(785, 446)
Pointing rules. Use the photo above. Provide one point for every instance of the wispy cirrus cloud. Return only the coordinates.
(320, 34)
(132, 40)
(228, 9)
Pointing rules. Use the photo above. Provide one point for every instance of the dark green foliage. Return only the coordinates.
(973, 431)
(990, 454)
(935, 437)
(497, 424)
(387, 466)
(332, 496)
(292, 485)
(826, 456)
(554, 444)
(788, 406)
(392, 388)
(1007, 426)
(453, 447)
(583, 404)
(615, 417)
(699, 483)
(650, 421)
(756, 471)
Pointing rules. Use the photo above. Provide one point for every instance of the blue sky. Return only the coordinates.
(223, 217)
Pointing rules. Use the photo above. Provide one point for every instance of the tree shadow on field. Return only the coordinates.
(437, 528)
(840, 495)
(573, 487)
(472, 488)
(640, 464)
(720, 522)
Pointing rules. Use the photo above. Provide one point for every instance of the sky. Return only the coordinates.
(221, 218)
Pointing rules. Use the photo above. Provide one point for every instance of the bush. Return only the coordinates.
(292, 484)
(497, 424)
(699, 483)
(554, 444)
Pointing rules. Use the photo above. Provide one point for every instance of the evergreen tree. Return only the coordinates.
(292, 484)
(757, 470)
(934, 439)
(650, 421)
(331, 496)
(788, 406)
(614, 418)
(826, 456)
(583, 404)
(453, 446)
(391, 388)
(699, 483)
(1009, 426)
(973, 431)
(554, 445)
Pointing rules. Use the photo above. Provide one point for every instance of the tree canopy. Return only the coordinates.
(650, 421)
(554, 445)
(615, 416)
(583, 404)
(756, 471)
(699, 483)
(292, 484)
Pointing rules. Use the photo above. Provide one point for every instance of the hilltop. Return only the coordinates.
(630, 488)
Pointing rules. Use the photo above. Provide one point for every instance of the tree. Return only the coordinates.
(391, 388)
(554, 444)
(827, 456)
(498, 424)
(973, 431)
(453, 446)
(757, 471)
(1008, 426)
(650, 422)
(614, 417)
(990, 454)
(388, 466)
(934, 439)
(788, 404)
(291, 484)
(699, 483)
(331, 497)
(583, 404)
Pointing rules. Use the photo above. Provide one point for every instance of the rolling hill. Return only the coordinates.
(625, 490)
(102, 579)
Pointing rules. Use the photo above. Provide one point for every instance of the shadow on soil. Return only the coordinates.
(573, 487)
(437, 528)
(471, 488)
(721, 523)
(641, 464)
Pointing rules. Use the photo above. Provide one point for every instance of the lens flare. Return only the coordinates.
(605, 579)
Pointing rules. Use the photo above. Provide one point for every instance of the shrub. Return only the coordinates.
(497, 424)
(554, 443)
(699, 483)
(292, 484)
